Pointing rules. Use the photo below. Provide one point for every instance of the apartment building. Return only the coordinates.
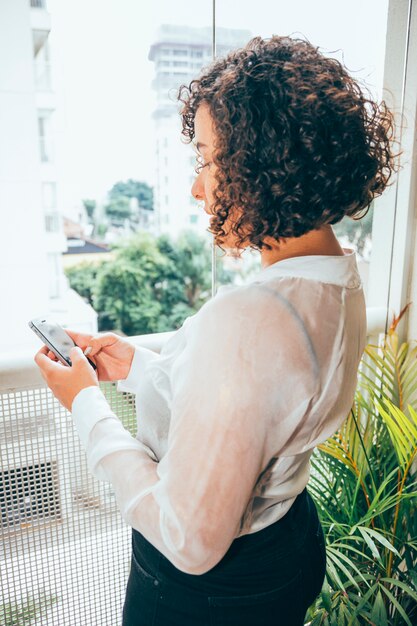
(178, 54)
(32, 238)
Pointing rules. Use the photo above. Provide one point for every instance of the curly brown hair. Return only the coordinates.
(298, 143)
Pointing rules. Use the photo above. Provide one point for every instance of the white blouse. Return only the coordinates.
(230, 410)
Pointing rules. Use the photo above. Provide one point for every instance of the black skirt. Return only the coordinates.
(267, 578)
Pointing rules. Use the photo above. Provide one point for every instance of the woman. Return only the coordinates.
(214, 485)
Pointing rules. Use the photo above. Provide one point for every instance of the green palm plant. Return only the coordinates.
(364, 484)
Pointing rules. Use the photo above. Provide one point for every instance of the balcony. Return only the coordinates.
(40, 21)
(66, 549)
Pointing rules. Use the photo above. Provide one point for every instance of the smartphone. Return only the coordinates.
(57, 340)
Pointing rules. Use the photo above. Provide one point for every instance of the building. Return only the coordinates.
(179, 53)
(83, 250)
(32, 237)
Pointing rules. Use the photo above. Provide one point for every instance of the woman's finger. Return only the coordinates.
(80, 339)
(43, 362)
(98, 342)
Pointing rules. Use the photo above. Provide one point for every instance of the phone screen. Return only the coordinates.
(55, 337)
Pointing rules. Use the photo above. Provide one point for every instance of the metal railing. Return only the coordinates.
(65, 548)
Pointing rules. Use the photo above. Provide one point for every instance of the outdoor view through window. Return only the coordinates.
(112, 238)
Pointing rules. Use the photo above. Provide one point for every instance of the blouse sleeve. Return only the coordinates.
(141, 358)
(232, 382)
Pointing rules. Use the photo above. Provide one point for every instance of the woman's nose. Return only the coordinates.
(197, 189)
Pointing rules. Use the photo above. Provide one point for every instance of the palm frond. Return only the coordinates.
(363, 483)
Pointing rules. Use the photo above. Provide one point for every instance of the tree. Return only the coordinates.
(191, 261)
(82, 278)
(152, 285)
(127, 293)
(125, 300)
(133, 189)
(100, 230)
(90, 207)
(118, 210)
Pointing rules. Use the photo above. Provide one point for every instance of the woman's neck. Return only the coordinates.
(320, 241)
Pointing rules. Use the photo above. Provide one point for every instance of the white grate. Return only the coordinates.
(65, 550)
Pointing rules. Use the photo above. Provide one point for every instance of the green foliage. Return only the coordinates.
(125, 295)
(133, 189)
(82, 279)
(100, 230)
(152, 285)
(26, 611)
(90, 207)
(364, 485)
(356, 231)
(118, 210)
(189, 269)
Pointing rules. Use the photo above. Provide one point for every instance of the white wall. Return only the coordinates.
(23, 271)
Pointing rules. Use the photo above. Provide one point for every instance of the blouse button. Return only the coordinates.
(156, 583)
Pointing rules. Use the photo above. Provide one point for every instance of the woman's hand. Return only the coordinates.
(66, 382)
(111, 354)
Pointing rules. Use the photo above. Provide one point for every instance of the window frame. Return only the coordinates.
(392, 274)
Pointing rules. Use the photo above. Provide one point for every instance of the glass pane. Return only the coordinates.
(136, 196)
(341, 31)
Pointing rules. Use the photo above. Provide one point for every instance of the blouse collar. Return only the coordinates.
(337, 270)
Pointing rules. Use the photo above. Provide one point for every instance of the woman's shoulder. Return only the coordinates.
(265, 317)
(291, 294)
(286, 313)
(233, 303)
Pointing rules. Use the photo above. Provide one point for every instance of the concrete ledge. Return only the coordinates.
(18, 369)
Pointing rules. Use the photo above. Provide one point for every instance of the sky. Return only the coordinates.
(102, 76)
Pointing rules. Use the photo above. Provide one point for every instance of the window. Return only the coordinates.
(52, 222)
(45, 136)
